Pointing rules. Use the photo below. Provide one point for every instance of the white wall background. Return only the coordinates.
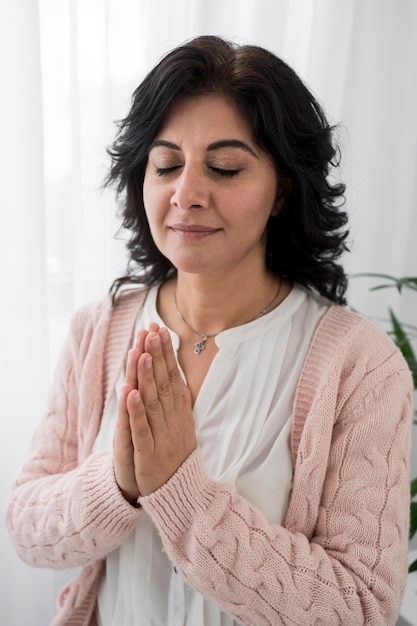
(68, 68)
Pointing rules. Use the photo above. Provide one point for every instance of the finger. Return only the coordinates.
(140, 339)
(173, 371)
(122, 436)
(149, 394)
(123, 414)
(123, 459)
(153, 327)
(132, 359)
(153, 345)
(131, 379)
(142, 439)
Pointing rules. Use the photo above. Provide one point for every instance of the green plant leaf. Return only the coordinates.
(413, 519)
(413, 487)
(404, 344)
(399, 283)
(373, 275)
(413, 368)
(410, 282)
(413, 567)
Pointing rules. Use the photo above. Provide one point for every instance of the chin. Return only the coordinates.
(194, 264)
(193, 268)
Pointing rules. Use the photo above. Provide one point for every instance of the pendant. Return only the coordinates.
(200, 345)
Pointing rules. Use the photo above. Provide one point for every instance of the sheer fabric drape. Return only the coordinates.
(68, 68)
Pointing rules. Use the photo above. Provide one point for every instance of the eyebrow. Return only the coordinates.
(217, 145)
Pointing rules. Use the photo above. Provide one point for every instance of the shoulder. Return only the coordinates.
(343, 341)
(347, 336)
(125, 303)
(352, 369)
(350, 357)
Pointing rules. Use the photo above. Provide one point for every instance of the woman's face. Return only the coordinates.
(208, 189)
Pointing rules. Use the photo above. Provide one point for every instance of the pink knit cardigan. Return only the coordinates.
(339, 558)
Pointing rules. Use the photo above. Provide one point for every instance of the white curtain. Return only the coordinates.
(68, 68)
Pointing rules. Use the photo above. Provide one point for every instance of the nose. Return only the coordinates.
(190, 189)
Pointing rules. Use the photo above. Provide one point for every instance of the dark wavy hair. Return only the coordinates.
(305, 240)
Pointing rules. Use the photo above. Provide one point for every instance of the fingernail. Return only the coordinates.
(164, 334)
(148, 362)
(154, 339)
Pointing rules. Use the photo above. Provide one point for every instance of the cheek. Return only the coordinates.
(153, 203)
(147, 191)
(255, 207)
(151, 188)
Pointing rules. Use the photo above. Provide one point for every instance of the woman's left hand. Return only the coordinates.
(160, 415)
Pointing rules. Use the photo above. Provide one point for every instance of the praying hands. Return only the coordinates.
(155, 429)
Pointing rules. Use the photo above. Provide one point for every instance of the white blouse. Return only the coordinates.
(243, 420)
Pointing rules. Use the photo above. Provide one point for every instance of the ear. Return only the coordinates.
(284, 190)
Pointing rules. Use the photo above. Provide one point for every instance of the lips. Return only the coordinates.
(193, 231)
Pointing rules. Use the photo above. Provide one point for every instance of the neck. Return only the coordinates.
(207, 305)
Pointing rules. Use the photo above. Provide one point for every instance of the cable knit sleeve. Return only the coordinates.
(65, 508)
(341, 555)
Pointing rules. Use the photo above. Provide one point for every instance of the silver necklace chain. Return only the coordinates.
(199, 346)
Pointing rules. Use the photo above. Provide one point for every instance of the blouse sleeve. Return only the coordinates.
(65, 510)
(351, 478)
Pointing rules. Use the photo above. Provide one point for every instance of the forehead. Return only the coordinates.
(206, 114)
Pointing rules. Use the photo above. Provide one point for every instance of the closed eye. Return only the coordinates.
(225, 173)
(163, 171)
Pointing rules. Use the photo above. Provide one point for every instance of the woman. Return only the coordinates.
(271, 487)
